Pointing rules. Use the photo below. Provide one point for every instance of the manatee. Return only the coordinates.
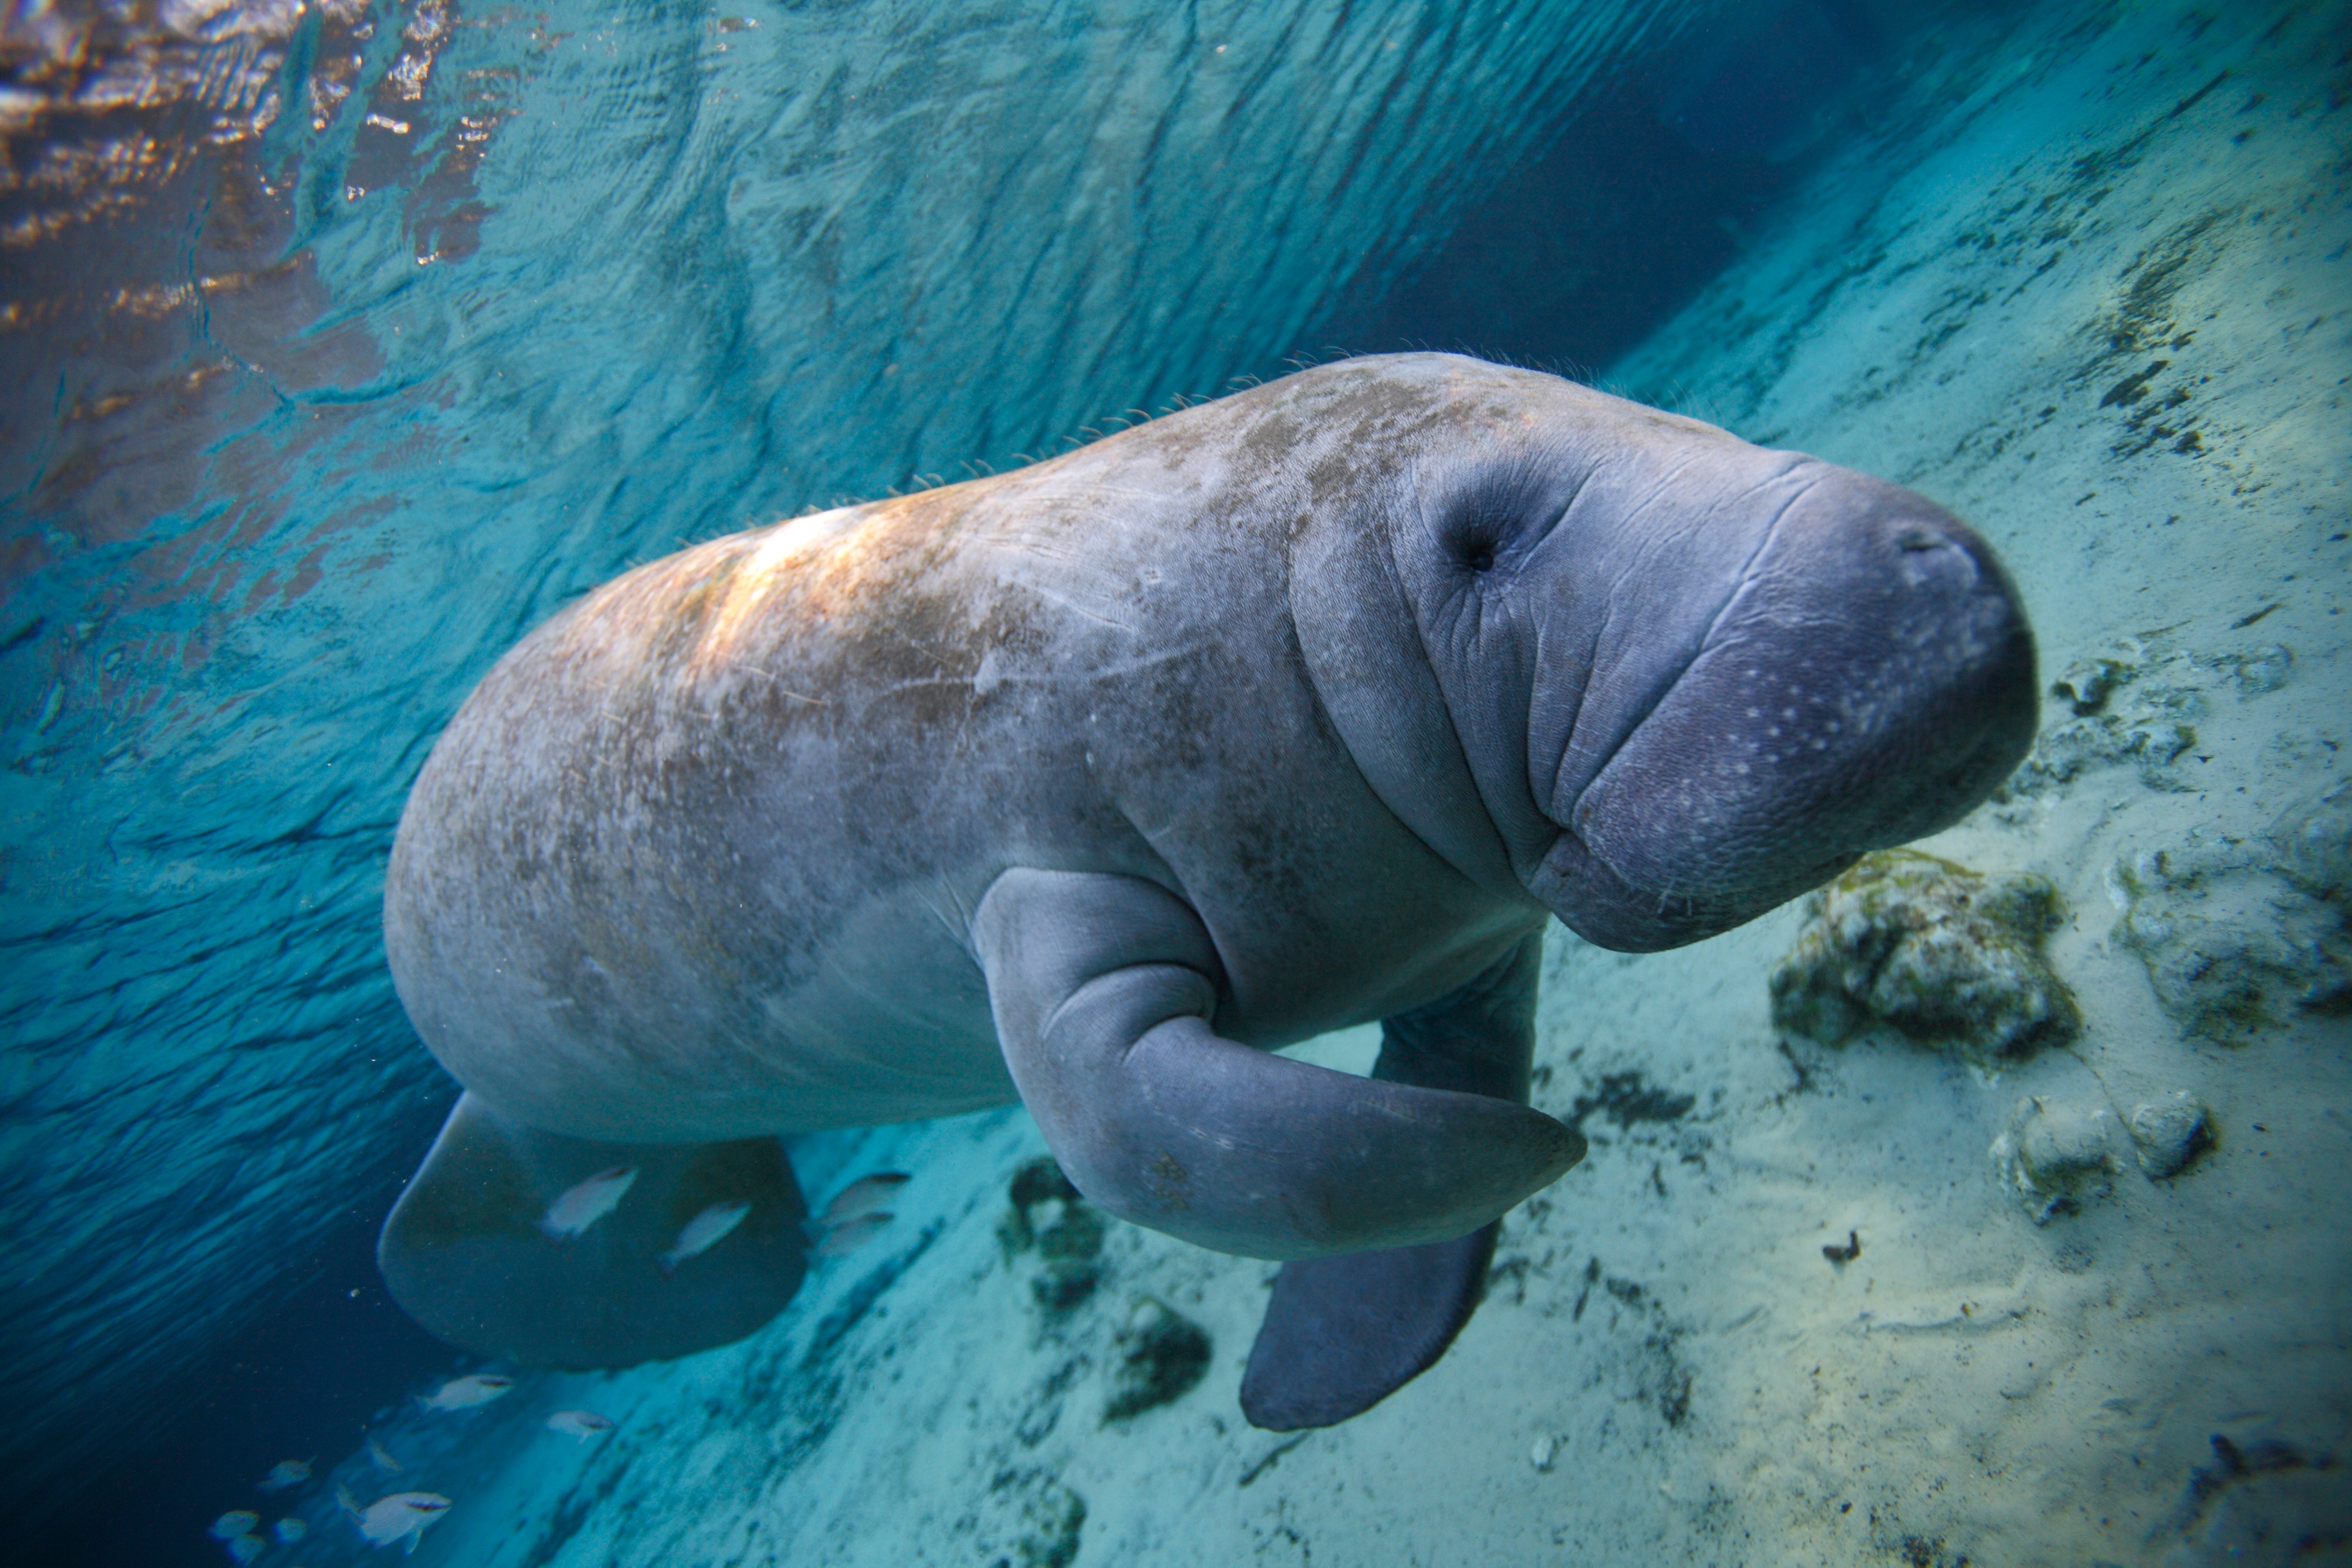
(1095, 783)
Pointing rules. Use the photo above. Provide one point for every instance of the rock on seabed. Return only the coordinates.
(2240, 935)
(1942, 955)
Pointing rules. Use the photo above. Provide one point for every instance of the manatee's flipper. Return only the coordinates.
(465, 1254)
(1102, 987)
(1343, 1333)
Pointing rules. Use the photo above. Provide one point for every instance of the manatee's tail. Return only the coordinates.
(463, 1255)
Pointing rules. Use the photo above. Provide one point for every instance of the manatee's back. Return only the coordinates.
(672, 872)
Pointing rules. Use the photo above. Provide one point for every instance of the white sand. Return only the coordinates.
(1972, 1386)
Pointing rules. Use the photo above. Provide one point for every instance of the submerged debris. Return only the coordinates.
(2056, 1158)
(2242, 935)
(2171, 1133)
(1943, 955)
(1846, 1253)
(1625, 1098)
(2314, 841)
(2265, 1502)
(1162, 1353)
(2135, 703)
(1050, 1215)
(1028, 1520)
(2116, 718)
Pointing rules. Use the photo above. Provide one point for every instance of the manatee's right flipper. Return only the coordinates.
(1341, 1334)
(464, 1255)
(1102, 987)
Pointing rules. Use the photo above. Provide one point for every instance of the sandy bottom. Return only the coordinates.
(2087, 286)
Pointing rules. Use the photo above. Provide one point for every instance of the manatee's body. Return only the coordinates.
(1090, 782)
(698, 860)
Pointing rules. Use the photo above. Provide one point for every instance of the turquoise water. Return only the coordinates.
(346, 342)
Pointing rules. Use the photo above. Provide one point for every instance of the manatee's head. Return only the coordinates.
(1694, 677)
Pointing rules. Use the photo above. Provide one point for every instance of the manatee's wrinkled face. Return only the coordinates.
(1799, 665)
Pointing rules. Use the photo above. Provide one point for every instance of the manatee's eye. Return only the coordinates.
(1482, 531)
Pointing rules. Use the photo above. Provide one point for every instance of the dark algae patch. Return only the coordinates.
(1625, 1098)
(1029, 1518)
(1050, 1218)
(1162, 1355)
(2134, 386)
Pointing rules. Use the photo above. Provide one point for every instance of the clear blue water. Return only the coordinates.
(344, 343)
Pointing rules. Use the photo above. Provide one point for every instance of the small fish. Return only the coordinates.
(289, 1531)
(580, 1424)
(383, 1460)
(583, 1204)
(234, 1523)
(285, 1473)
(843, 1239)
(704, 1231)
(465, 1392)
(861, 1197)
(388, 1519)
(243, 1549)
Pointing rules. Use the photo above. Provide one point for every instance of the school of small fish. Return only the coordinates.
(856, 1215)
(585, 1203)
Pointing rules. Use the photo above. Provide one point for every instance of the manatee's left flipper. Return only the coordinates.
(1343, 1333)
(1102, 988)
(464, 1253)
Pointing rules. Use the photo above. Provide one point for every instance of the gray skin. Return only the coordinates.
(1096, 783)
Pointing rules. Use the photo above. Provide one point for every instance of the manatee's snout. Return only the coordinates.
(1869, 681)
